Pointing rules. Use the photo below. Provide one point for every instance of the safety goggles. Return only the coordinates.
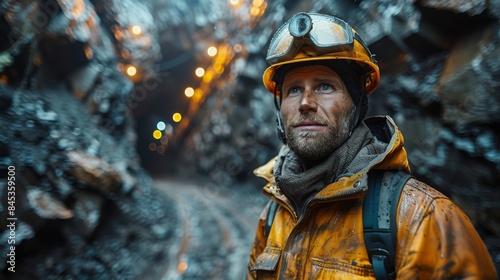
(325, 34)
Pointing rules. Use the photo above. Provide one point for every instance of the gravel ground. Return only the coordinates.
(216, 229)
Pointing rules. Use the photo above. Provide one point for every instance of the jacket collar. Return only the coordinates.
(393, 158)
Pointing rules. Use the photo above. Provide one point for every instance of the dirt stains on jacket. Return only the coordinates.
(435, 239)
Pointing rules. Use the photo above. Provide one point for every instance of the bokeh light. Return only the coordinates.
(199, 72)
(258, 3)
(131, 70)
(238, 48)
(161, 149)
(169, 130)
(160, 125)
(176, 117)
(212, 51)
(136, 29)
(182, 266)
(189, 92)
(157, 134)
(152, 147)
(164, 140)
(207, 78)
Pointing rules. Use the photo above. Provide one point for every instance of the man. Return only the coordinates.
(321, 73)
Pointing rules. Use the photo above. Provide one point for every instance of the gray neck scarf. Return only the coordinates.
(353, 155)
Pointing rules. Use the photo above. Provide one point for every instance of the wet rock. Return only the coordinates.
(66, 144)
(5, 98)
(56, 51)
(467, 91)
(28, 174)
(472, 8)
(138, 47)
(23, 232)
(61, 185)
(494, 8)
(87, 211)
(94, 172)
(129, 181)
(4, 148)
(5, 61)
(66, 102)
(46, 206)
(83, 79)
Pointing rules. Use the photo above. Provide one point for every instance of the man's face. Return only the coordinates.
(316, 110)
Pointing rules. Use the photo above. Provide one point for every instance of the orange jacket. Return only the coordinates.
(435, 239)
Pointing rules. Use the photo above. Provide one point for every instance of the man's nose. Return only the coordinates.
(308, 102)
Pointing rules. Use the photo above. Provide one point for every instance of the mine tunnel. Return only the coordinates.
(130, 129)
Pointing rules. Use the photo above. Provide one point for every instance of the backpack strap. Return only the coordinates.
(381, 203)
(379, 241)
(273, 206)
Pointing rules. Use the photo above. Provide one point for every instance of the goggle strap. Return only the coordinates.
(357, 37)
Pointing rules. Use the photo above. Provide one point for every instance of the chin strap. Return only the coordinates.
(357, 112)
(279, 122)
(280, 129)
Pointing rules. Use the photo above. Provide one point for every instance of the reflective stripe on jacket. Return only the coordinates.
(435, 239)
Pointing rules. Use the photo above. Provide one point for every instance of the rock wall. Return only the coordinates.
(76, 201)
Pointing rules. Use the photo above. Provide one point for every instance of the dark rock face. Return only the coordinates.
(83, 204)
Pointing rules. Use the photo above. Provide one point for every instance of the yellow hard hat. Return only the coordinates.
(310, 37)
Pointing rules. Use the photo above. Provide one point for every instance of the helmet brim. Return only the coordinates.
(370, 69)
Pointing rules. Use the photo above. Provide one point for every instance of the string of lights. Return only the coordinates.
(221, 54)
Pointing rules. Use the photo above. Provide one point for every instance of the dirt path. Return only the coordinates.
(216, 232)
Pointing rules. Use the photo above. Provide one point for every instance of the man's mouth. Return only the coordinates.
(309, 125)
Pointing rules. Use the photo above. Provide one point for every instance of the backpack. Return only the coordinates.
(381, 200)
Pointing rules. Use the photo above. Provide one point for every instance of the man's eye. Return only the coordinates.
(325, 87)
(294, 90)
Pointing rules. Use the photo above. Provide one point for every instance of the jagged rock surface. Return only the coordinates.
(84, 205)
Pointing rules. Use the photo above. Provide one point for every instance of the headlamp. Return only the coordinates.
(300, 25)
(323, 33)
